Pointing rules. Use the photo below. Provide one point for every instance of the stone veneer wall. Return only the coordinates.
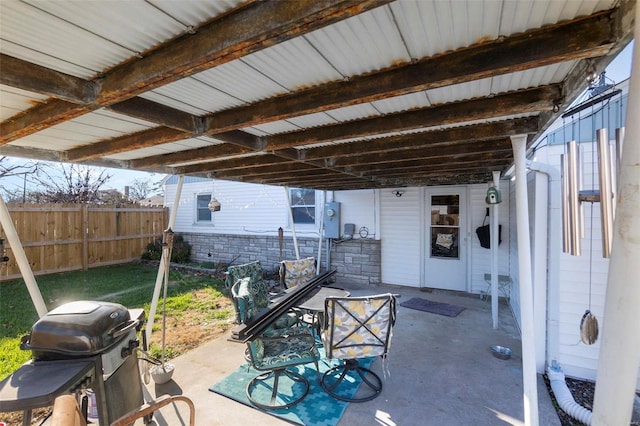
(355, 260)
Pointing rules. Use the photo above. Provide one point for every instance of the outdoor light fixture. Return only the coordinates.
(214, 205)
(398, 193)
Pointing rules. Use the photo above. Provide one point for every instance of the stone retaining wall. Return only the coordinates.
(355, 260)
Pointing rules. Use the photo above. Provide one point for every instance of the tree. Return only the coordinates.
(20, 171)
(71, 184)
(141, 189)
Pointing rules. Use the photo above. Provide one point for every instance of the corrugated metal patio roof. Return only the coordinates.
(327, 95)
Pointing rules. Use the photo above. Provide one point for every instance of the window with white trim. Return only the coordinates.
(203, 214)
(303, 205)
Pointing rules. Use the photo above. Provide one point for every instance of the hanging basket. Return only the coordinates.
(214, 205)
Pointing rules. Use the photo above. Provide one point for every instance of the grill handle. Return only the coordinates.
(117, 331)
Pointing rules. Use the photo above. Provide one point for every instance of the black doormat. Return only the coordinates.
(433, 307)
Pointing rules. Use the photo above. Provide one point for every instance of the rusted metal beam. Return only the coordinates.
(163, 115)
(524, 101)
(581, 38)
(491, 147)
(211, 167)
(253, 27)
(143, 139)
(476, 132)
(192, 155)
(35, 78)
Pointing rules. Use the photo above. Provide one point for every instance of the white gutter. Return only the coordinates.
(494, 240)
(529, 377)
(547, 268)
(161, 267)
(21, 259)
(619, 358)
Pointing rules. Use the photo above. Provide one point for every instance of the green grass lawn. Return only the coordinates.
(131, 285)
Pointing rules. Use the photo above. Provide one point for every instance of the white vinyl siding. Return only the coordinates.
(481, 257)
(401, 229)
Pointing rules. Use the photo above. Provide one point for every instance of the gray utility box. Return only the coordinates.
(332, 220)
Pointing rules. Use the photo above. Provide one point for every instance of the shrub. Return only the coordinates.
(180, 253)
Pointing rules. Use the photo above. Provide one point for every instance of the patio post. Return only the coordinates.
(494, 239)
(529, 375)
(21, 259)
(619, 357)
(161, 267)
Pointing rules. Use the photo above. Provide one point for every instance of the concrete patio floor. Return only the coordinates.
(440, 372)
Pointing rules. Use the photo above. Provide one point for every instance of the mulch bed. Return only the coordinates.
(583, 392)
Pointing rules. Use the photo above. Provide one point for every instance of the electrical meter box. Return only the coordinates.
(332, 220)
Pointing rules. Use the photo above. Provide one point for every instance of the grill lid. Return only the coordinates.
(76, 329)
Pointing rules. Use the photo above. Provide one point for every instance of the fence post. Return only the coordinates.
(84, 211)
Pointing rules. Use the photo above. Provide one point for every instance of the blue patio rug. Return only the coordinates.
(433, 307)
(316, 409)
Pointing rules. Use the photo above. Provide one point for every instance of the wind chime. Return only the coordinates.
(573, 198)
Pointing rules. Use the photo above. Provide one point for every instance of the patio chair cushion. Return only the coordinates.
(359, 327)
(296, 272)
(244, 297)
(283, 347)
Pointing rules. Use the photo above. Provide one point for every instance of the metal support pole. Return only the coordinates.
(21, 259)
(161, 267)
(619, 358)
(529, 377)
(494, 239)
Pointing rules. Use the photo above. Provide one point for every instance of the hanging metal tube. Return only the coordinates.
(618, 157)
(566, 211)
(575, 224)
(606, 207)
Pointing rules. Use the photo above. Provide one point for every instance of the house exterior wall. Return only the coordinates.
(578, 283)
(582, 279)
(388, 245)
(355, 260)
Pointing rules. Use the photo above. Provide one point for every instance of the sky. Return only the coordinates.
(618, 71)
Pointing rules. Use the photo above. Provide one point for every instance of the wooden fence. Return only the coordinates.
(66, 237)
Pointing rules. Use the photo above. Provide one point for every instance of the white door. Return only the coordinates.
(445, 251)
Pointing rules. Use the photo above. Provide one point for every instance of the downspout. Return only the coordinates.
(161, 267)
(551, 254)
(287, 194)
(619, 358)
(529, 377)
(21, 259)
(321, 226)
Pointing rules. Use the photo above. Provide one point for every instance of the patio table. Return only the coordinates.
(315, 304)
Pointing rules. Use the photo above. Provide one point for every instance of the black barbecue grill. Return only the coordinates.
(79, 345)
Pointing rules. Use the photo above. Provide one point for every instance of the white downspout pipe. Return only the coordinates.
(619, 358)
(287, 194)
(548, 260)
(161, 267)
(529, 378)
(494, 240)
(564, 397)
(21, 259)
(321, 226)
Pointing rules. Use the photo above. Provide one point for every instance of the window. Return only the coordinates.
(303, 205)
(203, 214)
(445, 227)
